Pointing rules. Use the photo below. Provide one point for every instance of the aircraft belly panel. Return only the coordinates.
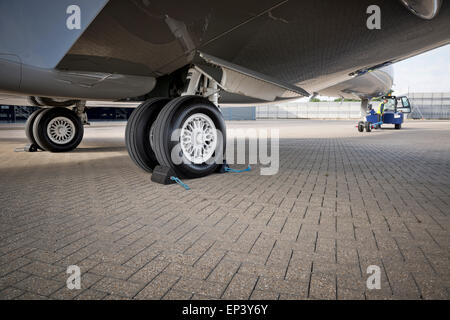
(293, 41)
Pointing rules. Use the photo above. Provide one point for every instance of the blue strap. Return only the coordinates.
(177, 180)
(228, 169)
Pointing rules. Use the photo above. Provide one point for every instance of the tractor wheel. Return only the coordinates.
(361, 126)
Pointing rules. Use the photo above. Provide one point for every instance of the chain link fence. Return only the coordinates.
(310, 110)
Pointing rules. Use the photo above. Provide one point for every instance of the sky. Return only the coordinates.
(427, 72)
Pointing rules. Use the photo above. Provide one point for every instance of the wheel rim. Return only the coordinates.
(61, 130)
(198, 138)
(152, 136)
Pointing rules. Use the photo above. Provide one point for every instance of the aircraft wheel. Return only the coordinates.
(368, 126)
(29, 127)
(58, 130)
(190, 137)
(139, 133)
(361, 126)
(398, 126)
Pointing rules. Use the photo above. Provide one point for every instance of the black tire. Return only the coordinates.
(171, 119)
(29, 127)
(398, 126)
(42, 122)
(137, 133)
(361, 126)
(368, 126)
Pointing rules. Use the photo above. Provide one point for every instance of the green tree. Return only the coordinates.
(346, 100)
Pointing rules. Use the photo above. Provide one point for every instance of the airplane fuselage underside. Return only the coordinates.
(124, 47)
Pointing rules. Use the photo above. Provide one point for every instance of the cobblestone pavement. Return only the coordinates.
(341, 201)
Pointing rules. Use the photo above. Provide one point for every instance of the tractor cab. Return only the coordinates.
(403, 105)
(395, 104)
(390, 111)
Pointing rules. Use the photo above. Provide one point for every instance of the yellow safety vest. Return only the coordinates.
(380, 109)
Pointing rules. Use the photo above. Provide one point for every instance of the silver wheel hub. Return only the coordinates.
(61, 130)
(198, 138)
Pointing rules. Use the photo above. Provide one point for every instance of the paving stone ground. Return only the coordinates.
(341, 201)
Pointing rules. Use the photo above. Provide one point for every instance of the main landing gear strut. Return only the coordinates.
(186, 135)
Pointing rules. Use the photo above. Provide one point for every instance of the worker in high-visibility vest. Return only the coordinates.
(380, 110)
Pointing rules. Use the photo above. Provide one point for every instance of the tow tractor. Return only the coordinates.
(394, 111)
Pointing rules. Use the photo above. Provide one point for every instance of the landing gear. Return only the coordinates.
(139, 133)
(363, 124)
(186, 134)
(29, 130)
(398, 126)
(190, 137)
(57, 129)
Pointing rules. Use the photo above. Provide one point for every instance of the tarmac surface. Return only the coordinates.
(340, 202)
